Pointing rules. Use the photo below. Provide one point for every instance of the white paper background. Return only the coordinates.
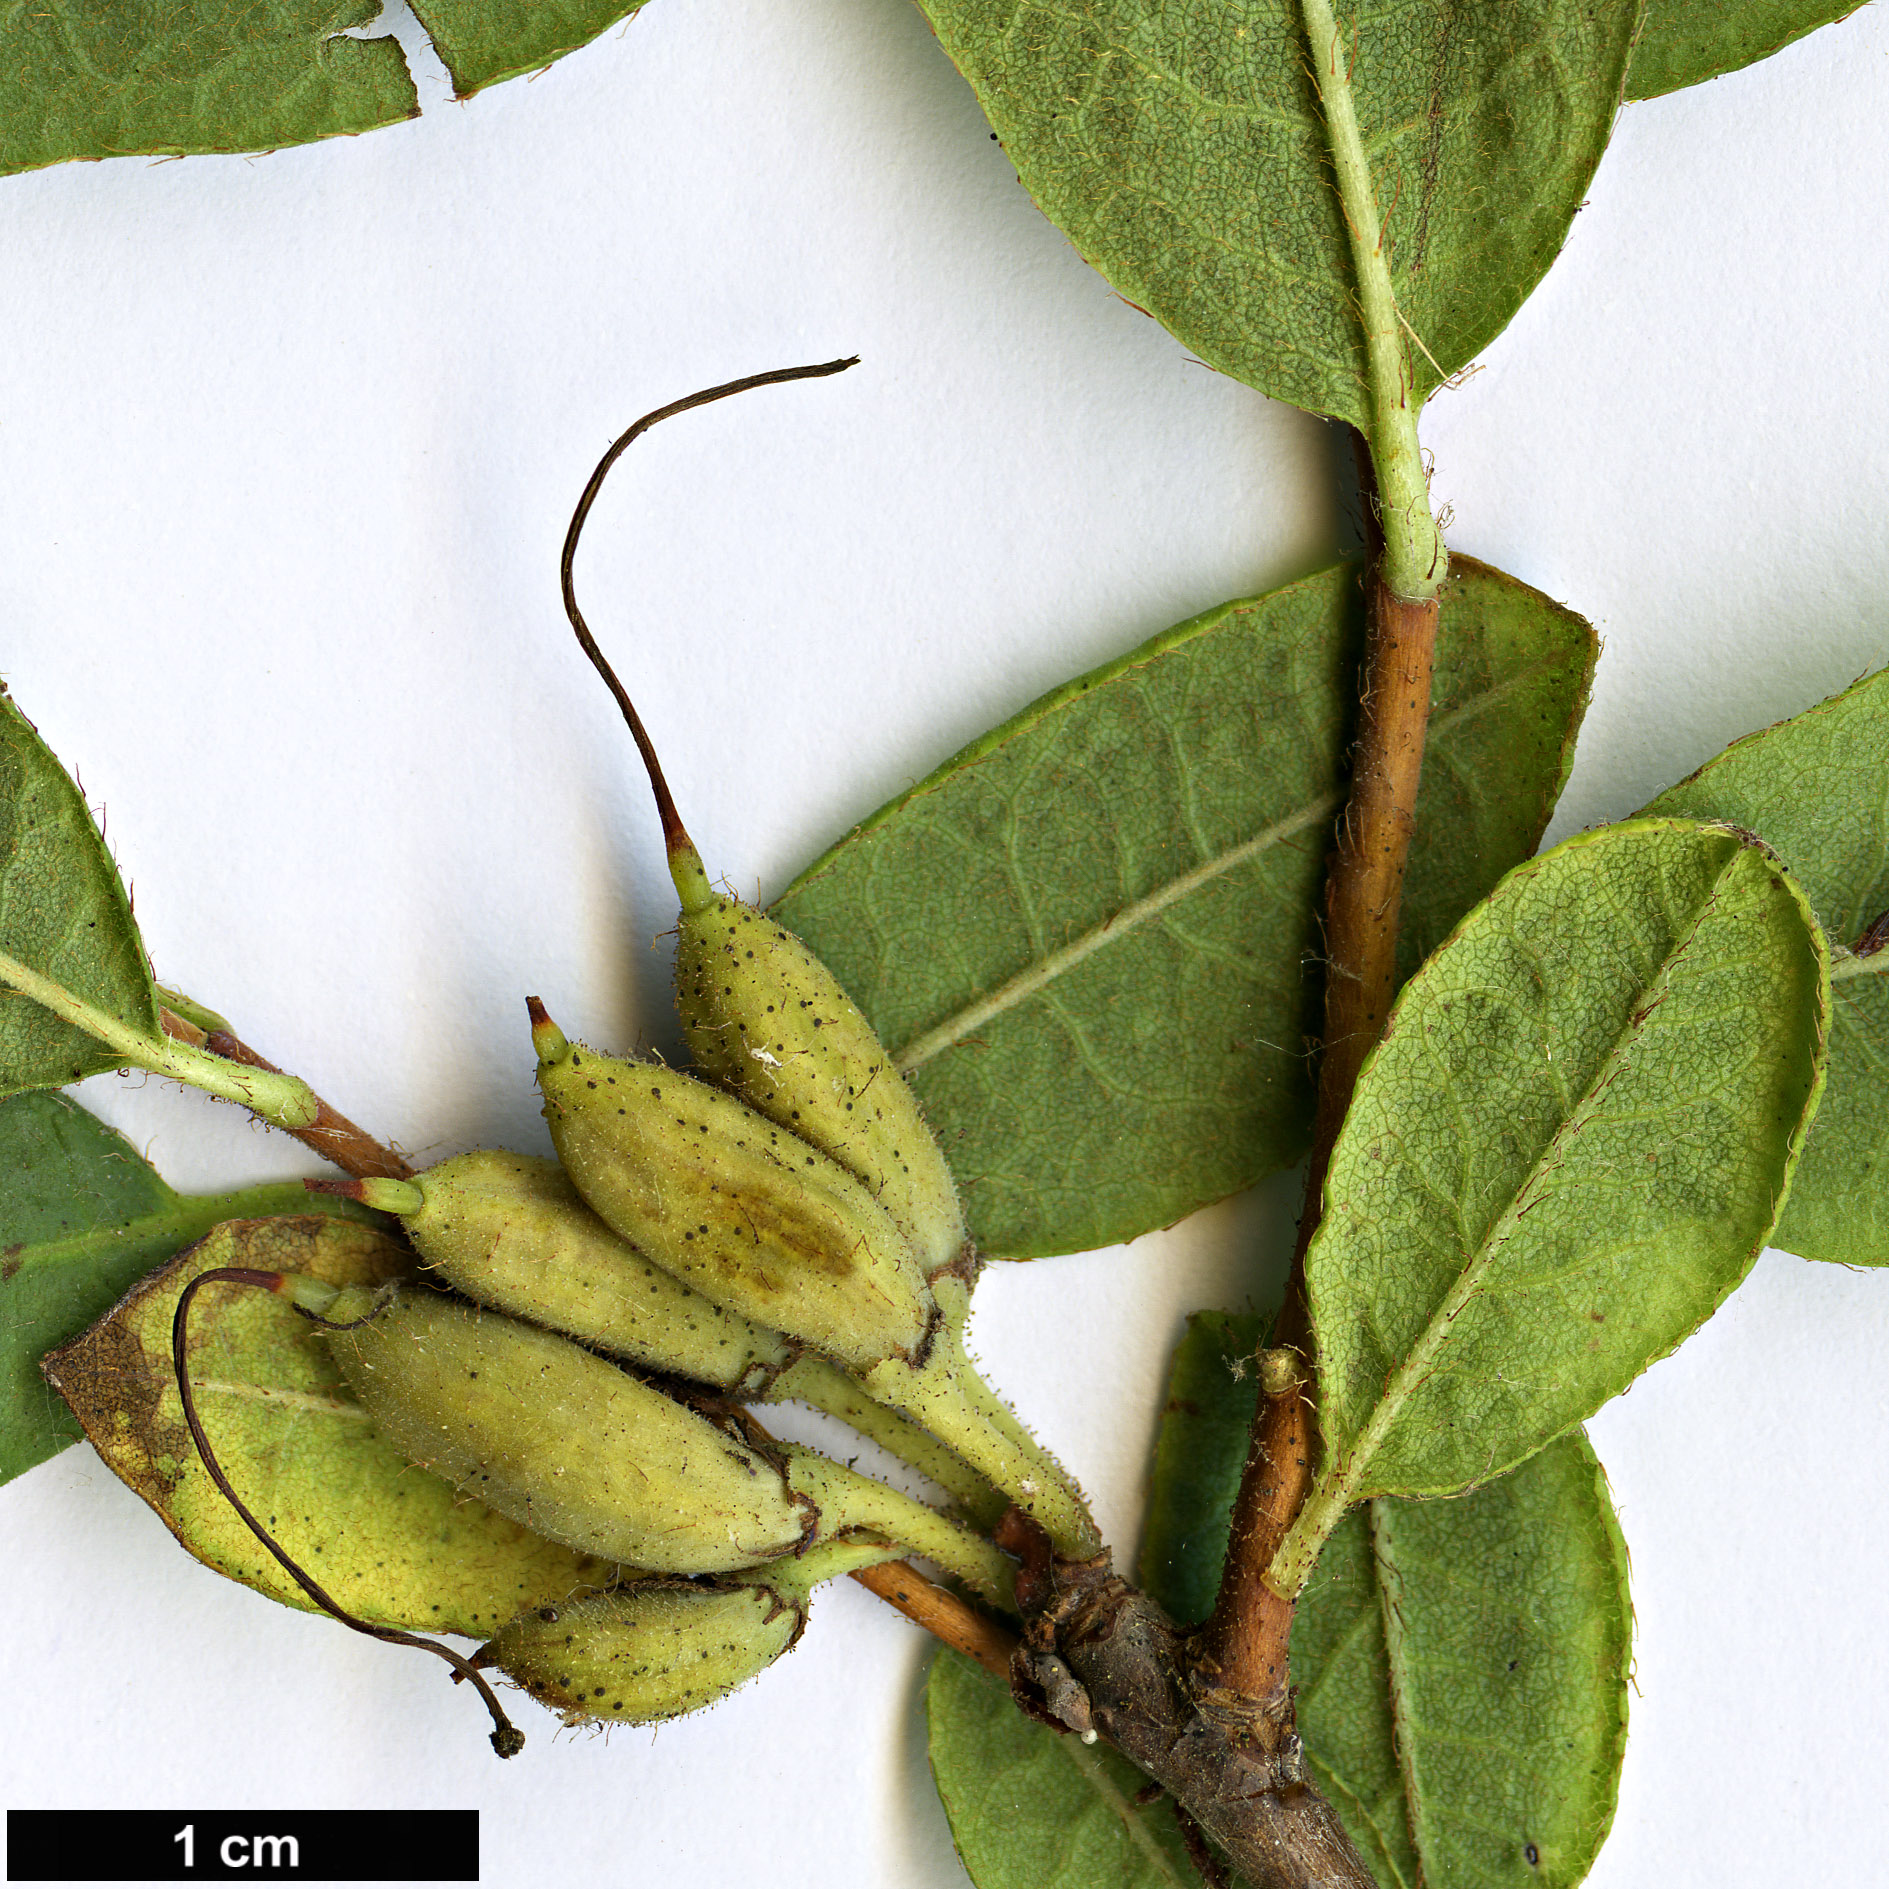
(288, 447)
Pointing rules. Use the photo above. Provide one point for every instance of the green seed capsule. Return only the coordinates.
(513, 1232)
(758, 1009)
(747, 1213)
(575, 1449)
(581, 1452)
(650, 1653)
(768, 1021)
(663, 1648)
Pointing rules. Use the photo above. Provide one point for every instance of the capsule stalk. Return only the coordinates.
(826, 1387)
(846, 1499)
(948, 1397)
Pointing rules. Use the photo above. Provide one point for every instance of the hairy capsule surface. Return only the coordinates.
(585, 1454)
(576, 1449)
(652, 1652)
(769, 1022)
(753, 1217)
(513, 1232)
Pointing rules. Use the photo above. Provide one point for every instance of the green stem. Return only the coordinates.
(280, 1099)
(794, 1577)
(1414, 562)
(846, 1499)
(941, 1398)
(1876, 964)
(191, 1011)
(273, 1200)
(1009, 1426)
(826, 1387)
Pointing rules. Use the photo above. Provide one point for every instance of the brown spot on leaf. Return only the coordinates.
(116, 1390)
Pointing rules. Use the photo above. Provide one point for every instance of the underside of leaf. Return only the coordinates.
(203, 75)
(1685, 41)
(1461, 1666)
(194, 77)
(1462, 1670)
(1182, 150)
(484, 41)
(1816, 789)
(1570, 1146)
(1087, 938)
(1031, 1808)
(63, 914)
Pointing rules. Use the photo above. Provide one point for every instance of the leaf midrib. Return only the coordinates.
(932, 1043)
(1876, 964)
(1130, 917)
(1384, 1570)
(186, 1220)
(238, 1392)
(1089, 1763)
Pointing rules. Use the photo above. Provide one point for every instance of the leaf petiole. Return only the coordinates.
(286, 1101)
(1414, 562)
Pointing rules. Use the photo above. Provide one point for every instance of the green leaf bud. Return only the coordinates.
(560, 1440)
(512, 1232)
(747, 1213)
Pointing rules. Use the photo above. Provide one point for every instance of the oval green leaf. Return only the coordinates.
(1685, 41)
(1816, 789)
(1084, 938)
(191, 76)
(391, 1543)
(1031, 1808)
(1569, 1147)
(63, 914)
(1462, 1665)
(84, 1215)
(1182, 151)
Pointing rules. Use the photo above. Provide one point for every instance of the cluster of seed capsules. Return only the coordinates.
(785, 1228)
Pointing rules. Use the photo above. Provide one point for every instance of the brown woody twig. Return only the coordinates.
(941, 1613)
(353, 1150)
(1244, 1646)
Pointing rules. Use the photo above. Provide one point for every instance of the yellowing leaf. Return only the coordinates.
(391, 1543)
(83, 1215)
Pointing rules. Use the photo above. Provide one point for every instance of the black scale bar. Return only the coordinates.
(242, 1845)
